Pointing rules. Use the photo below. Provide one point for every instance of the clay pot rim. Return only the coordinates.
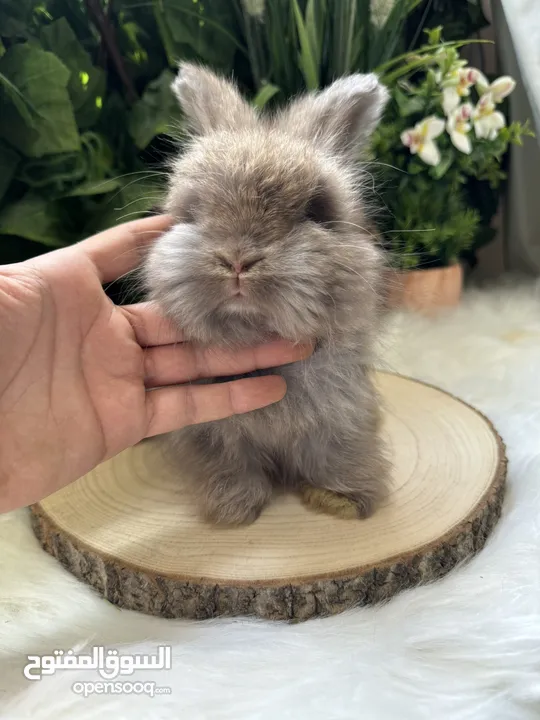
(436, 269)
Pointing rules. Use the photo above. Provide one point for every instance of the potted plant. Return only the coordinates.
(437, 155)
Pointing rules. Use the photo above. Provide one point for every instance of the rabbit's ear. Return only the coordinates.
(342, 116)
(210, 102)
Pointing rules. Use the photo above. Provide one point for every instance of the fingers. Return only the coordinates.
(150, 326)
(184, 363)
(118, 250)
(172, 408)
(168, 361)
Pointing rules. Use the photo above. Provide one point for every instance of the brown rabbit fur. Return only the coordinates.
(280, 197)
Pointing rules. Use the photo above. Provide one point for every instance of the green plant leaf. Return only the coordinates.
(440, 170)
(54, 172)
(265, 94)
(415, 167)
(87, 172)
(385, 41)
(133, 200)
(76, 15)
(9, 161)
(307, 56)
(314, 28)
(95, 187)
(34, 218)
(15, 18)
(25, 108)
(198, 30)
(348, 27)
(434, 35)
(86, 83)
(43, 79)
(408, 105)
(155, 112)
(422, 52)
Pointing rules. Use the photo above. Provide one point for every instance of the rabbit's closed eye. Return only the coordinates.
(321, 208)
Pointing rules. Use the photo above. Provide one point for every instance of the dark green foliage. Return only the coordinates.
(87, 116)
(88, 120)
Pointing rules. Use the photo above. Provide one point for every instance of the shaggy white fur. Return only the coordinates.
(467, 647)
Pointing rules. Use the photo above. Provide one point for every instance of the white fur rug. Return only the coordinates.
(466, 648)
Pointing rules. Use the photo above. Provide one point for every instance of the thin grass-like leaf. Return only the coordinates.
(426, 49)
(365, 29)
(312, 31)
(356, 59)
(390, 78)
(265, 94)
(278, 25)
(164, 32)
(348, 52)
(307, 58)
(252, 49)
(343, 14)
(388, 36)
(321, 21)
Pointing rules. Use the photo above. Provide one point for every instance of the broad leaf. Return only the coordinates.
(15, 18)
(24, 107)
(440, 170)
(408, 105)
(42, 79)
(155, 113)
(87, 83)
(34, 218)
(55, 171)
(94, 187)
(198, 30)
(76, 15)
(415, 168)
(112, 121)
(9, 161)
(134, 199)
(87, 172)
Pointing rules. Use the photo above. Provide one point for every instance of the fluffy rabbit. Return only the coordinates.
(270, 240)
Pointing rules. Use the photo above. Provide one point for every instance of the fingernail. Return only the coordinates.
(305, 350)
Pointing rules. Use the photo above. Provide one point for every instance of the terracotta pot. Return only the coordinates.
(426, 291)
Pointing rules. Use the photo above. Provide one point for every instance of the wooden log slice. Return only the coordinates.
(131, 529)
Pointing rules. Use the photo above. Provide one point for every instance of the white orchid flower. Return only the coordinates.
(482, 83)
(499, 88)
(487, 120)
(456, 85)
(458, 126)
(419, 139)
(450, 99)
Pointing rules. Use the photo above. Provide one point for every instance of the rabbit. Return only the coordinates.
(269, 239)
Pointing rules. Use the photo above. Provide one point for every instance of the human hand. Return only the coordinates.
(81, 379)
